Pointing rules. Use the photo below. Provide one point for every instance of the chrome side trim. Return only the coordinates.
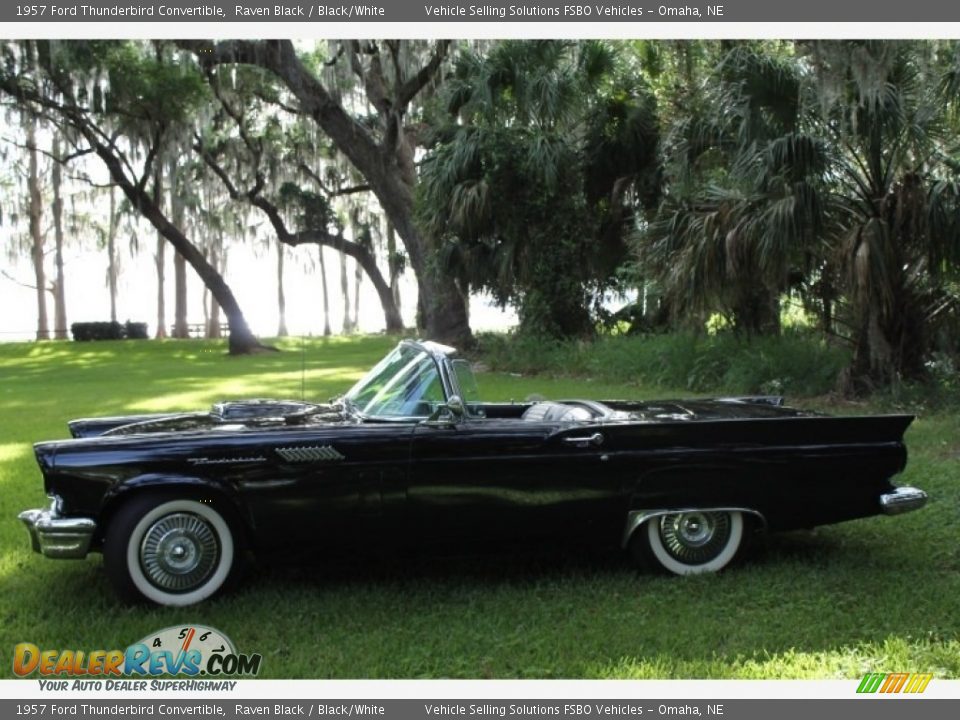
(583, 440)
(636, 518)
(902, 500)
(265, 484)
(225, 461)
(58, 537)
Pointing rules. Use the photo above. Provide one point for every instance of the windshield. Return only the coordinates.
(405, 384)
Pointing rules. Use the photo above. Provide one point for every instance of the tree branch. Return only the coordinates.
(280, 58)
(12, 279)
(349, 190)
(61, 160)
(415, 84)
(201, 150)
(362, 255)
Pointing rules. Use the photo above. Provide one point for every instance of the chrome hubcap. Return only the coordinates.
(695, 537)
(179, 552)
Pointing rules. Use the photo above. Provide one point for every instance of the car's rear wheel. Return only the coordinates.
(170, 551)
(691, 542)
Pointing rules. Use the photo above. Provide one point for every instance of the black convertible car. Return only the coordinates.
(412, 452)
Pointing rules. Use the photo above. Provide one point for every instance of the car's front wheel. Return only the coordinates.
(691, 542)
(170, 551)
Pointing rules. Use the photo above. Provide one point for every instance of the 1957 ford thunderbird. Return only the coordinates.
(411, 451)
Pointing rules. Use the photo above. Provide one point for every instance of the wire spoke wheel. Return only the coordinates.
(695, 537)
(179, 552)
(694, 541)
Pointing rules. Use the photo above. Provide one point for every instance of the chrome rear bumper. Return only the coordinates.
(902, 499)
(58, 537)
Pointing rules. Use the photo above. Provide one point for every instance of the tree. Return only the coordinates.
(111, 243)
(886, 109)
(35, 213)
(326, 296)
(823, 168)
(380, 147)
(177, 214)
(743, 209)
(59, 284)
(281, 297)
(546, 152)
(134, 95)
(251, 153)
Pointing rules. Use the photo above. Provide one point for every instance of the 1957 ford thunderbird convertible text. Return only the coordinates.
(172, 501)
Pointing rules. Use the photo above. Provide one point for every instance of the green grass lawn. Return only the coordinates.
(872, 595)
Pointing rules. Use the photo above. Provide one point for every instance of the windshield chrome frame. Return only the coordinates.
(441, 356)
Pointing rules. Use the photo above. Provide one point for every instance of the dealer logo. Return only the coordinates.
(889, 683)
(191, 650)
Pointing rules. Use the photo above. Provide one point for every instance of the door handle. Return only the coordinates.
(581, 440)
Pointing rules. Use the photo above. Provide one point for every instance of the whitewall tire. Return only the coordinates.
(169, 551)
(693, 542)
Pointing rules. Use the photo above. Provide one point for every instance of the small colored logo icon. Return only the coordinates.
(894, 682)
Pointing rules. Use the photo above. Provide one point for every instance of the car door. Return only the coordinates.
(329, 487)
(485, 478)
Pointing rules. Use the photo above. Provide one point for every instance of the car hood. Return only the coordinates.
(243, 413)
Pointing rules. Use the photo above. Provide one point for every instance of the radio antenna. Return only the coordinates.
(303, 368)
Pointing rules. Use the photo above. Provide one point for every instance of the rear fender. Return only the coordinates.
(714, 483)
(636, 518)
(711, 487)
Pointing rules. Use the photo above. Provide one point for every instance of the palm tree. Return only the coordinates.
(885, 110)
(828, 170)
(744, 205)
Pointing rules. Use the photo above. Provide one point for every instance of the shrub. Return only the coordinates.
(135, 330)
(85, 331)
(796, 363)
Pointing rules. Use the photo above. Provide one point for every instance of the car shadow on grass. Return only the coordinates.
(487, 563)
(508, 563)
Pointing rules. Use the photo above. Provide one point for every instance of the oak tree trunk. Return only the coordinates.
(160, 260)
(180, 329)
(241, 340)
(393, 264)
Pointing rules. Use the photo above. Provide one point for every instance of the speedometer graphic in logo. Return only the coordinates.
(198, 643)
(191, 650)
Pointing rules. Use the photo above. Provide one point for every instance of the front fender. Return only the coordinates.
(196, 487)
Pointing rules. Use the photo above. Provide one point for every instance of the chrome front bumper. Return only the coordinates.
(58, 537)
(902, 499)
